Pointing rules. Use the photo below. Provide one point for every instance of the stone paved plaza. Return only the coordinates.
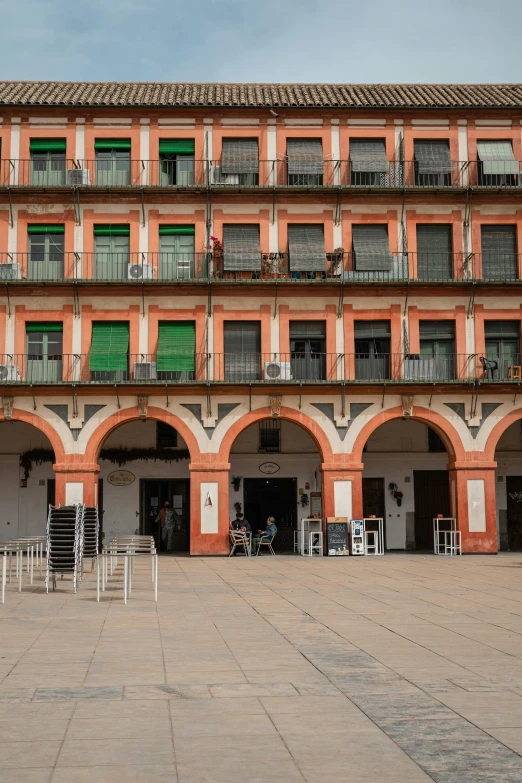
(401, 669)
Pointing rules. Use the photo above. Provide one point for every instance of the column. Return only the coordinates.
(342, 488)
(209, 512)
(76, 482)
(472, 488)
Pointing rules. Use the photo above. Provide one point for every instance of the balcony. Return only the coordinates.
(257, 369)
(190, 173)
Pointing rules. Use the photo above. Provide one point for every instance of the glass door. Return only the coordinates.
(47, 169)
(111, 257)
(176, 170)
(176, 257)
(44, 353)
(113, 168)
(46, 256)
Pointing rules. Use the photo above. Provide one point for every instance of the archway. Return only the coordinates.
(277, 463)
(405, 477)
(144, 462)
(508, 484)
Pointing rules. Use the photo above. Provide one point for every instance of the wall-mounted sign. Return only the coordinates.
(269, 467)
(121, 478)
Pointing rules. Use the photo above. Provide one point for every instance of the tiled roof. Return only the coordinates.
(156, 94)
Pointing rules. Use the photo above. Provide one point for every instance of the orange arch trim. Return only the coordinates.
(498, 430)
(43, 426)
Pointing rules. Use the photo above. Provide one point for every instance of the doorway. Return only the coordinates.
(431, 497)
(273, 497)
(153, 494)
(514, 511)
(373, 500)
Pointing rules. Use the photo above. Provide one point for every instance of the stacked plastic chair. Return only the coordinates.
(64, 543)
(91, 528)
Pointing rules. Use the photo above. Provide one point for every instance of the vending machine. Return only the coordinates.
(357, 537)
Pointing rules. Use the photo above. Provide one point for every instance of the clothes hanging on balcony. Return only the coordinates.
(240, 156)
(433, 157)
(371, 249)
(368, 155)
(497, 157)
(306, 248)
(241, 248)
(305, 156)
(176, 346)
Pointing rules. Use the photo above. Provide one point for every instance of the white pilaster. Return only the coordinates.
(15, 148)
(336, 154)
(463, 149)
(12, 233)
(10, 333)
(273, 235)
(271, 151)
(143, 340)
(79, 153)
(145, 156)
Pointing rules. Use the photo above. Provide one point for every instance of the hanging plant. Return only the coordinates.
(304, 500)
(236, 482)
(238, 507)
(395, 492)
(118, 457)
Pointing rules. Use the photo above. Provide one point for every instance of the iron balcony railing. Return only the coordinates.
(295, 367)
(187, 172)
(338, 266)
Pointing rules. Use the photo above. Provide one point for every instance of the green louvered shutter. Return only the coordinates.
(176, 346)
(109, 346)
(177, 147)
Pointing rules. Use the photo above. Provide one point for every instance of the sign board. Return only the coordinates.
(269, 467)
(337, 537)
(315, 504)
(121, 478)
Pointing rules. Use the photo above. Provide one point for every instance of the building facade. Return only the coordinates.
(296, 298)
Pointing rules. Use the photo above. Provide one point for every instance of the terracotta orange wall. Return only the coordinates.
(64, 316)
(196, 219)
(5, 148)
(3, 314)
(483, 314)
(132, 133)
(4, 230)
(158, 132)
(91, 218)
(27, 133)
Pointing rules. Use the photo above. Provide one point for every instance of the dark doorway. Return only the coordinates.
(514, 511)
(373, 500)
(51, 494)
(154, 493)
(273, 498)
(431, 497)
(100, 512)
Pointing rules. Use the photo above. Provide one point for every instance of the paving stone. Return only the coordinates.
(74, 694)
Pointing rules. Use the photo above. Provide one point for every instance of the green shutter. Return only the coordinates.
(176, 346)
(47, 145)
(120, 145)
(44, 327)
(109, 346)
(170, 230)
(176, 146)
(39, 228)
(110, 230)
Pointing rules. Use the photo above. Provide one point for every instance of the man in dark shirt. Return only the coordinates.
(242, 527)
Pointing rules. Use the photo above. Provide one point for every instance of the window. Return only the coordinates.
(270, 435)
(166, 436)
(433, 164)
(502, 348)
(46, 252)
(437, 350)
(242, 342)
(368, 164)
(44, 343)
(372, 350)
(306, 248)
(305, 162)
(176, 162)
(371, 249)
(434, 252)
(241, 248)
(175, 359)
(496, 164)
(111, 252)
(113, 165)
(48, 162)
(499, 253)
(435, 443)
(240, 162)
(308, 350)
(176, 259)
(109, 356)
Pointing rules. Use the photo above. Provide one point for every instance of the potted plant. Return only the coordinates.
(236, 482)
(396, 493)
(216, 249)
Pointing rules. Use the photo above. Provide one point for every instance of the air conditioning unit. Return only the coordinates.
(278, 371)
(145, 371)
(140, 272)
(9, 372)
(78, 177)
(10, 271)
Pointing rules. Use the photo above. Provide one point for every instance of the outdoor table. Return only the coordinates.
(128, 554)
(7, 549)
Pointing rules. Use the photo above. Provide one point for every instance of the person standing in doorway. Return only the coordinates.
(167, 520)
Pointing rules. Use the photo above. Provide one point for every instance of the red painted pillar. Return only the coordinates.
(77, 482)
(209, 512)
(473, 496)
(340, 498)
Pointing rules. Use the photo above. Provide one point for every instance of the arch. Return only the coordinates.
(442, 427)
(95, 443)
(297, 417)
(44, 426)
(497, 432)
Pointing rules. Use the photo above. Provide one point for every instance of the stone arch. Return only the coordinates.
(288, 414)
(497, 432)
(100, 434)
(44, 426)
(442, 427)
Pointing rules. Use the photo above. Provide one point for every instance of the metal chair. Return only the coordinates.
(239, 540)
(265, 541)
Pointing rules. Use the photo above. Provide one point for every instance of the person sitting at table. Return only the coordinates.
(265, 535)
(241, 527)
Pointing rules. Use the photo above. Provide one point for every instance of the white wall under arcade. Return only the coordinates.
(508, 456)
(393, 452)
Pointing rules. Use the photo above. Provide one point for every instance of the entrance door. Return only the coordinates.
(514, 511)
(273, 498)
(373, 500)
(431, 497)
(154, 493)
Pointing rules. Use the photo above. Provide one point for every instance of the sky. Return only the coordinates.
(354, 41)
